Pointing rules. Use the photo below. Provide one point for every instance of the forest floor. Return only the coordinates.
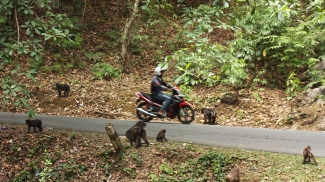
(61, 155)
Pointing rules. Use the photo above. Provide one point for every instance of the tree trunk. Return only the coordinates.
(125, 36)
(111, 132)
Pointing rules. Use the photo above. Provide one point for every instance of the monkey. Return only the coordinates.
(307, 155)
(34, 123)
(64, 87)
(233, 175)
(209, 114)
(134, 135)
(35, 92)
(161, 136)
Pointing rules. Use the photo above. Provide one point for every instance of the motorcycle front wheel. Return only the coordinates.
(186, 115)
(141, 115)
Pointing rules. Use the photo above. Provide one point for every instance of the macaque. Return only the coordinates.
(233, 175)
(307, 155)
(136, 132)
(35, 92)
(161, 136)
(64, 87)
(209, 114)
(34, 123)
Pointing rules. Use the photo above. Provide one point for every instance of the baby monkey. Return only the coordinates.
(34, 123)
(307, 155)
(233, 175)
(209, 114)
(63, 87)
(161, 136)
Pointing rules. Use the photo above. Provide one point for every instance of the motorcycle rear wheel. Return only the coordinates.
(186, 115)
(141, 115)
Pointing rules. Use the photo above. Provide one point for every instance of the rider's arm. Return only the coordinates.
(167, 85)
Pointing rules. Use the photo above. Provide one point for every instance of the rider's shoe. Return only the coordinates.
(161, 114)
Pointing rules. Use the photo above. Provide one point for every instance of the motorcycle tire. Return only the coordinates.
(186, 115)
(141, 115)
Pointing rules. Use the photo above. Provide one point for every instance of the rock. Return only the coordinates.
(310, 96)
(321, 124)
(229, 98)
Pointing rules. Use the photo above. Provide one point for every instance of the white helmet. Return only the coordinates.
(158, 70)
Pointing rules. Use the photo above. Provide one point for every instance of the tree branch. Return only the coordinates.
(17, 24)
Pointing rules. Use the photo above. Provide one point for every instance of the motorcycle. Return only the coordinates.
(148, 109)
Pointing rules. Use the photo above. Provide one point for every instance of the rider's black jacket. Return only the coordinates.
(158, 85)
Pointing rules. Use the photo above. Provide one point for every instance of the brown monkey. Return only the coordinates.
(233, 175)
(134, 135)
(307, 155)
(34, 123)
(209, 114)
(64, 87)
(35, 92)
(161, 136)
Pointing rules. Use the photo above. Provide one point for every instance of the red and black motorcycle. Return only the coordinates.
(149, 108)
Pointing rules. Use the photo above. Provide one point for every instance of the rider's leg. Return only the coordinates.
(167, 99)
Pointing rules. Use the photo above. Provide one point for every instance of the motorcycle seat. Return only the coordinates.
(149, 96)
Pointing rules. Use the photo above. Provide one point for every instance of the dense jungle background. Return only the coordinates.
(266, 52)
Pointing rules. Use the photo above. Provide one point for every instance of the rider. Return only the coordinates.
(157, 86)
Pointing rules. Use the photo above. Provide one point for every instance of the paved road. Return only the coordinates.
(272, 140)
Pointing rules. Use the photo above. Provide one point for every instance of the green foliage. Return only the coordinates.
(195, 169)
(57, 67)
(281, 37)
(73, 135)
(293, 85)
(257, 96)
(156, 9)
(203, 62)
(259, 80)
(216, 162)
(104, 71)
(35, 64)
(56, 30)
(94, 56)
(113, 35)
(14, 93)
(47, 173)
(132, 173)
(73, 43)
(23, 176)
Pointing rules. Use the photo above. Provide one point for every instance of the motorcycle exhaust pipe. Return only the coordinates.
(145, 112)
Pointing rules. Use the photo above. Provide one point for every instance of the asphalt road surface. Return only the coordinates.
(271, 140)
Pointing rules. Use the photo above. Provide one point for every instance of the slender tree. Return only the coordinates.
(125, 37)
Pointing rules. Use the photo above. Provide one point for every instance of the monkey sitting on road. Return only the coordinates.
(233, 175)
(209, 114)
(64, 87)
(161, 136)
(34, 123)
(136, 132)
(307, 155)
